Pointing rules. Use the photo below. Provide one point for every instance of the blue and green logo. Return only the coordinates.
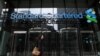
(91, 16)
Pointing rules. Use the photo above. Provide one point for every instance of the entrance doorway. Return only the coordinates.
(65, 42)
(69, 42)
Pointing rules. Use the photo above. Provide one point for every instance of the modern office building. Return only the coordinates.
(56, 27)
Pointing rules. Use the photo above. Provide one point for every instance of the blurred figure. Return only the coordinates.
(37, 48)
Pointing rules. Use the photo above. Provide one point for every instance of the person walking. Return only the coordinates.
(37, 51)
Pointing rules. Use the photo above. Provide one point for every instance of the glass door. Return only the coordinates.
(69, 42)
(17, 44)
(47, 41)
(89, 43)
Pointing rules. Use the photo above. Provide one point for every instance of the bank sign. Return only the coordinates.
(89, 14)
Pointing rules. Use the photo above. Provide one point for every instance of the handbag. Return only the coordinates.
(36, 51)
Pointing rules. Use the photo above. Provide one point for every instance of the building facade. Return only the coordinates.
(56, 27)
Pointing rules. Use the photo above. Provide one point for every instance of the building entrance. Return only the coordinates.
(65, 42)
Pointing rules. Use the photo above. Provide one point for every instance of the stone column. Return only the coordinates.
(1, 32)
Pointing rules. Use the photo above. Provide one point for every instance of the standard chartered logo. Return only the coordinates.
(90, 15)
(29, 15)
